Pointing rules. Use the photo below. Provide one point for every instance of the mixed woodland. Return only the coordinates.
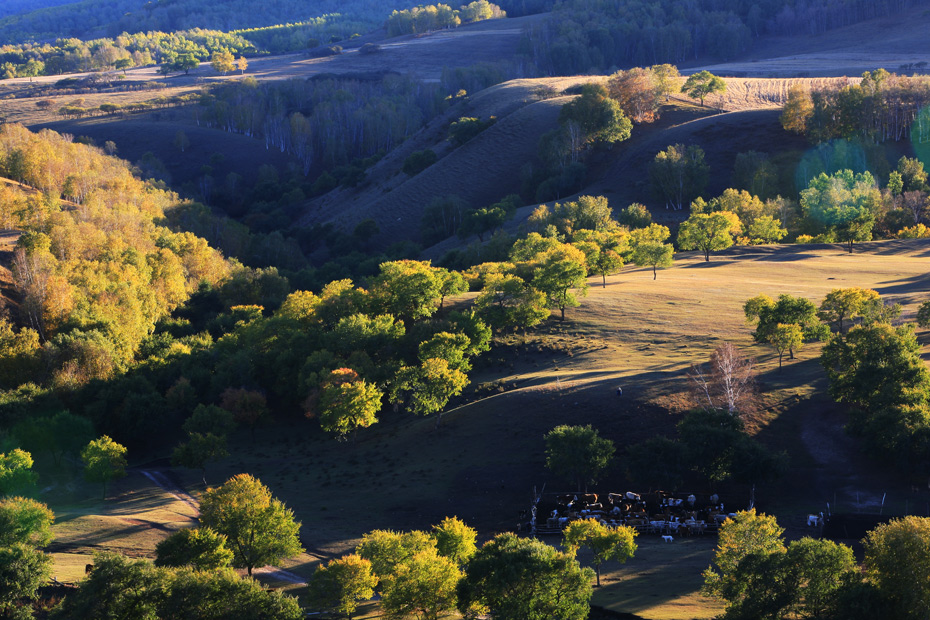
(143, 318)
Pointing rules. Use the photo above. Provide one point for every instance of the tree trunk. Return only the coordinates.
(604, 276)
(706, 256)
(597, 571)
(780, 356)
(563, 313)
(653, 272)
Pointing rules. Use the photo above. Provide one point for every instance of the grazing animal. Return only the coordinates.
(814, 520)
(691, 500)
(589, 498)
(667, 538)
(633, 496)
(88, 568)
(714, 499)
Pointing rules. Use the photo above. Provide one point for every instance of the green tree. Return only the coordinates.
(23, 570)
(452, 283)
(24, 522)
(454, 539)
(559, 272)
(386, 550)
(647, 248)
(845, 203)
(679, 174)
(343, 583)
(605, 543)
(64, 433)
(766, 229)
(16, 473)
(424, 585)
(118, 588)
(210, 419)
(913, 175)
(744, 535)
(198, 450)
(708, 232)
(408, 289)
(259, 528)
(876, 366)
(842, 304)
(524, 579)
(200, 548)
(507, 301)
(703, 83)
(595, 117)
(248, 407)
(449, 347)
(786, 338)
(347, 403)
(635, 216)
(822, 567)
(897, 561)
(768, 313)
(223, 62)
(431, 385)
(923, 315)
(603, 251)
(578, 453)
(104, 460)
(185, 62)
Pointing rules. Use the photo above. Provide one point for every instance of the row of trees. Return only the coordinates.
(429, 17)
(581, 36)
(431, 574)
(181, 50)
(760, 577)
(882, 106)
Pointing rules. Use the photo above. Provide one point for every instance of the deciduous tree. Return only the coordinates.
(740, 536)
(198, 450)
(342, 584)
(424, 585)
(104, 460)
(786, 338)
(897, 560)
(200, 548)
(843, 304)
(679, 174)
(386, 549)
(524, 579)
(16, 473)
(708, 232)
(259, 528)
(454, 539)
(223, 62)
(578, 453)
(347, 403)
(703, 83)
(605, 543)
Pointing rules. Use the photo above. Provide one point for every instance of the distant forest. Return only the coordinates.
(109, 18)
(595, 35)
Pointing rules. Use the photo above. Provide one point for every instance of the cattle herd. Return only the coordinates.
(654, 513)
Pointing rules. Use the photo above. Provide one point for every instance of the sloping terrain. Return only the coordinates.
(481, 171)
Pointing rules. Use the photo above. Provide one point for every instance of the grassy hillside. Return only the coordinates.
(484, 461)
